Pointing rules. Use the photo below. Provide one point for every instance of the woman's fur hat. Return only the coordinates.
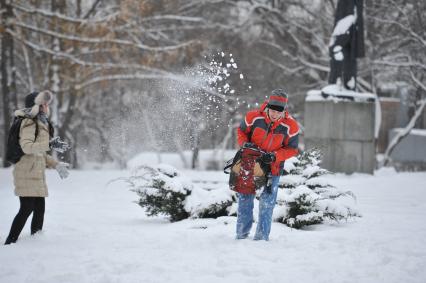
(35, 99)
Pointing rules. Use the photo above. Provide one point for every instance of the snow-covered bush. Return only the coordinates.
(308, 198)
(202, 203)
(305, 196)
(162, 190)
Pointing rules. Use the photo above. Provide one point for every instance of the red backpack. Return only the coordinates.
(247, 174)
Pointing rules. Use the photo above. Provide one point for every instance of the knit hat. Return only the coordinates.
(278, 100)
(35, 99)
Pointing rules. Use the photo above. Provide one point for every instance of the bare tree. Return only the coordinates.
(76, 53)
(7, 69)
(401, 53)
(102, 57)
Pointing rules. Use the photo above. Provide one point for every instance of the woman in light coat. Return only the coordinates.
(35, 140)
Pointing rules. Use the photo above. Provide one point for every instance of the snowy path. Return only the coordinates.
(94, 233)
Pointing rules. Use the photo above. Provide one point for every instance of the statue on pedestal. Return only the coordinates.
(346, 43)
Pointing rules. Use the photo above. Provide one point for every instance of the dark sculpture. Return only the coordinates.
(346, 43)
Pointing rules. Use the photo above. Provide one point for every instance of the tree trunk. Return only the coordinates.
(6, 69)
(195, 153)
(64, 130)
(196, 146)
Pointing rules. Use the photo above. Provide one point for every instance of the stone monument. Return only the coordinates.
(338, 119)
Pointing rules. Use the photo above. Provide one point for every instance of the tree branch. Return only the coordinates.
(138, 45)
(403, 133)
(92, 9)
(63, 17)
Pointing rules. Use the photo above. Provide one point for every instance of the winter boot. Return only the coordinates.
(10, 240)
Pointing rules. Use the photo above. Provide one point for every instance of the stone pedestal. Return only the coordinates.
(344, 131)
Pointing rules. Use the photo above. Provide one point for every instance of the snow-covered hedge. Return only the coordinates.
(163, 190)
(305, 196)
(308, 198)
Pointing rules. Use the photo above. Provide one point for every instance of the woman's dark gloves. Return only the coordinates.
(58, 145)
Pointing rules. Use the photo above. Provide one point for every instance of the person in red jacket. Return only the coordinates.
(274, 131)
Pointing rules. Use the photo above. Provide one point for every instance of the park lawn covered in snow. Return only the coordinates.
(93, 232)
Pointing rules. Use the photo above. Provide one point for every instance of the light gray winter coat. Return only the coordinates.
(29, 172)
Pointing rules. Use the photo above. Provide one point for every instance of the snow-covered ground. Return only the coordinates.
(94, 232)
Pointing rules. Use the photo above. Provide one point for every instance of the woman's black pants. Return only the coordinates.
(29, 205)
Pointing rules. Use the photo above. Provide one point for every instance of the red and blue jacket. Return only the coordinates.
(280, 137)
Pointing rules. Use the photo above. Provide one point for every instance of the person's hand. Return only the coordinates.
(268, 157)
(62, 169)
(58, 145)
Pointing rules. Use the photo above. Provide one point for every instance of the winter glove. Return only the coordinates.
(58, 145)
(268, 158)
(61, 167)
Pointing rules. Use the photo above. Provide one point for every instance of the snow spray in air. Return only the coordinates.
(196, 108)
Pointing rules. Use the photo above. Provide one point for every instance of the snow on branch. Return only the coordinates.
(23, 81)
(63, 17)
(27, 66)
(403, 27)
(92, 9)
(173, 17)
(417, 81)
(407, 64)
(75, 59)
(298, 59)
(282, 66)
(282, 24)
(280, 49)
(314, 65)
(138, 45)
(137, 76)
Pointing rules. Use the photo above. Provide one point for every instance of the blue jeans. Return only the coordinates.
(266, 207)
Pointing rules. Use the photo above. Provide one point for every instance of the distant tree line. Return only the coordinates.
(119, 69)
